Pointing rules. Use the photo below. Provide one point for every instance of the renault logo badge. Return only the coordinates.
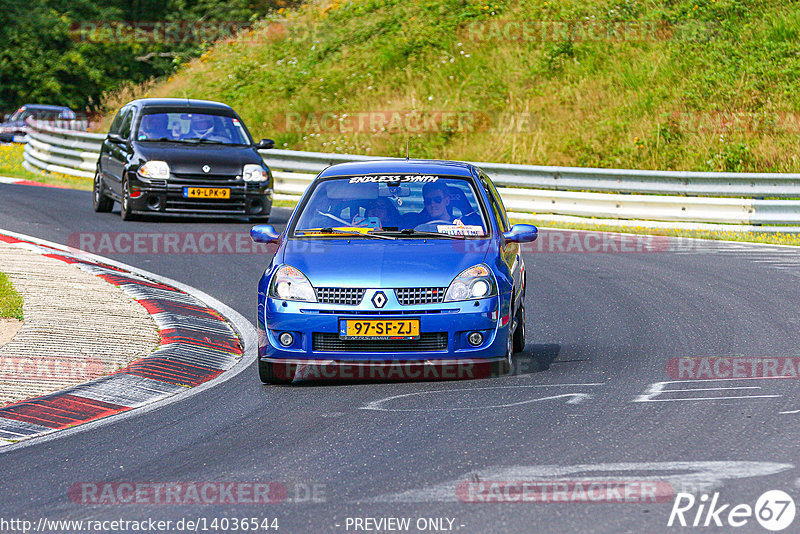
(379, 299)
(206, 168)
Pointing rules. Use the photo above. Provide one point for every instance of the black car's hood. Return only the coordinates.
(184, 158)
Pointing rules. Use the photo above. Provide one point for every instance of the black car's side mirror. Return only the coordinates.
(116, 138)
(265, 144)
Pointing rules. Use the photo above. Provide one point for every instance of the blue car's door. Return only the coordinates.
(510, 252)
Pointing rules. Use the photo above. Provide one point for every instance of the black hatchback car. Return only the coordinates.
(14, 126)
(170, 156)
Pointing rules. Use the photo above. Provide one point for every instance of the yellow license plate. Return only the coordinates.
(379, 328)
(206, 192)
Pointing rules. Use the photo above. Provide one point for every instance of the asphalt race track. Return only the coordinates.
(580, 404)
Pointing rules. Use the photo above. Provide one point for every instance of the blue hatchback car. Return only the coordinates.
(392, 262)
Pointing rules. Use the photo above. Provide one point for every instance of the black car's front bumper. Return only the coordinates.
(246, 199)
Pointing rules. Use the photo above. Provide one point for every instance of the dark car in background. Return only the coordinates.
(171, 156)
(13, 126)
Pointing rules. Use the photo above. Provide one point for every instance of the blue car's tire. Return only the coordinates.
(268, 375)
(519, 331)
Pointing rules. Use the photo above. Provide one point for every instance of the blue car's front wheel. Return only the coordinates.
(519, 331)
(274, 373)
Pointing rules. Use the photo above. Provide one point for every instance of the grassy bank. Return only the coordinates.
(651, 84)
(10, 300)
(11, 166)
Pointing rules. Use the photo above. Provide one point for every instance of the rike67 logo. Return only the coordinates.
(774, 510)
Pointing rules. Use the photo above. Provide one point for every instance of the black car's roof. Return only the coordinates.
(182, 104)
(45, 107)
(400, 166)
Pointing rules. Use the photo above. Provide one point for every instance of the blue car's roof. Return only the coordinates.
(401, 166)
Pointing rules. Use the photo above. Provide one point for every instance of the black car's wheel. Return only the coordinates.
(125, 210)
(100, 202)
(271, 373)
(519, 332)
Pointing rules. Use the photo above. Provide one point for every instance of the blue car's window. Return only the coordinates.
(191, 128)
(380, 204)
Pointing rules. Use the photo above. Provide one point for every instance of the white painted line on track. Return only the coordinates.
(658, 388)
(574, 398)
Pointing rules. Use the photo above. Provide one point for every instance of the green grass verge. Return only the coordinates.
(11, 166)
(702, 85)
(10, 300)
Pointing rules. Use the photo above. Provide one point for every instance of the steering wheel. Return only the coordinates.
(334, 217)
(431, 223)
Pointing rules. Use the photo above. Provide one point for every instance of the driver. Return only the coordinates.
(154, 127)
(384, 210)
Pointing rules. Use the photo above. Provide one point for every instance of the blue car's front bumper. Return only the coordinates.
(444, 329)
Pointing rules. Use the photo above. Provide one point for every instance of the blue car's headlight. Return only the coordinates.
(289, 283)
(476, 282)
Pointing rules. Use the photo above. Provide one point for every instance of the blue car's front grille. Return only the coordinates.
(348, 296)
(429, 341)
(411, 296)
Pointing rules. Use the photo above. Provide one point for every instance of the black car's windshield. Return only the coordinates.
(41, 114)
(396, 205)
(192, 128)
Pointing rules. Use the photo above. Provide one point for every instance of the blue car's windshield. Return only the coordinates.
(192, 128)
(406, 205)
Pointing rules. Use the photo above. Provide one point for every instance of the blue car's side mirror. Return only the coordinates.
(264, 233)
(521, 233)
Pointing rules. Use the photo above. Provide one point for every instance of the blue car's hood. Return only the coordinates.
(386, 264)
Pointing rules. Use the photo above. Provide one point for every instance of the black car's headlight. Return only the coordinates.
(477, 282)
(254, 173)
(155, 170)
(289, 283)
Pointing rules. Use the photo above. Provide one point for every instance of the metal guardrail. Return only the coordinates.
(533, 189)
(53, 149)
(528, 190)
